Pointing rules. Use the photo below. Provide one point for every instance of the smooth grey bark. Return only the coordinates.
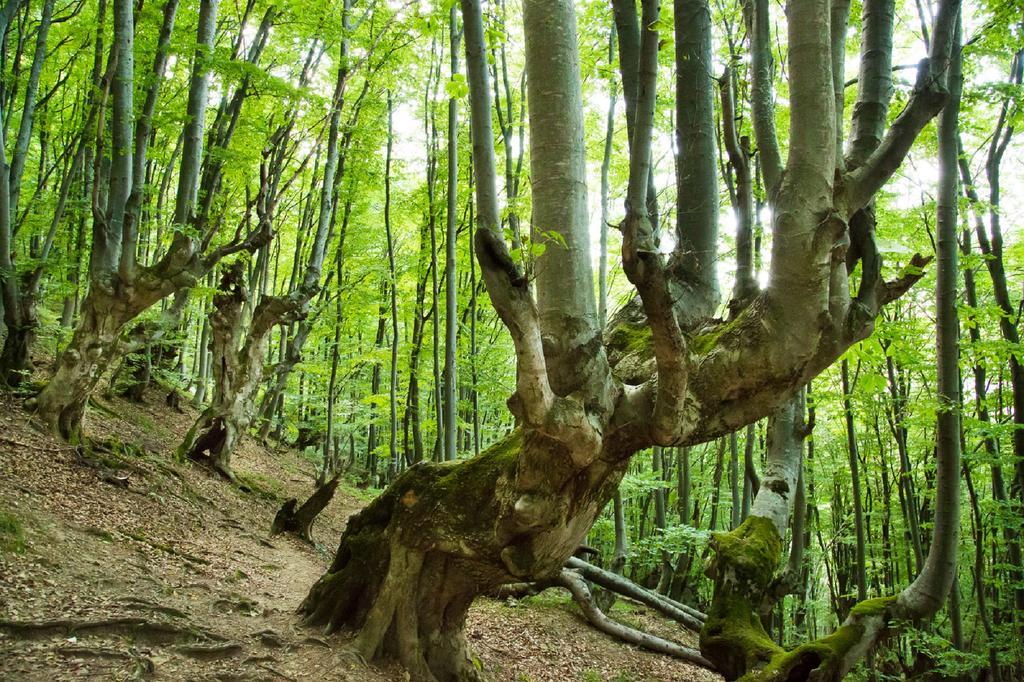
(696, 248)
(627, 29)
(393, 289)
(874, 81)
(451, 404)
(762, 96)
(926, 595)
(606, 160)
(565, 289)
(853, 455)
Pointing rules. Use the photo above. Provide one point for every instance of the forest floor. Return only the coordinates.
(138, 566)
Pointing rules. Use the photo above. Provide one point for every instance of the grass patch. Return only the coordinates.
(12, 534)
(361, 494)
(261, 486)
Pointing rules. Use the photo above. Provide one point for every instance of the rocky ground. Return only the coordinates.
(128, 564)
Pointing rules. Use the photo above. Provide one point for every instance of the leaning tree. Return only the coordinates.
(121, 285)
(664, 371)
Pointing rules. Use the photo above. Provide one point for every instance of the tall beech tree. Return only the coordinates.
(663, 372)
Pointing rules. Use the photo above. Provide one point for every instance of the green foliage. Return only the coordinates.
(12, 534)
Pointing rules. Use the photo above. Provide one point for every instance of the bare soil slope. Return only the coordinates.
(131, 565)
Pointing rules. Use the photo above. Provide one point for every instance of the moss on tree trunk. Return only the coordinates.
(410, 564)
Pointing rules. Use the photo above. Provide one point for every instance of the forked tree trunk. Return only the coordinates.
(238, 359)
(410, 564)
(300, 520)
(224, 421)
(745, 563)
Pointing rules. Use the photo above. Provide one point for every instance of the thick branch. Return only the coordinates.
(928, 97)
(738, 150)
(581, 594)
(761, 92)
(641, 260)
(696, 250)
(874, 82)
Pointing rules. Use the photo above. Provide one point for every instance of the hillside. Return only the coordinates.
(131, 565)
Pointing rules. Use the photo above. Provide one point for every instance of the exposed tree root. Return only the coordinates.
(520, 590)
(155, 631)
(209, 652)
(577, 586)
(143, 665)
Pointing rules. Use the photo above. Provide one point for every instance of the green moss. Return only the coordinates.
(702, 344)
(872, 607)
(12, 534)
(261, 486)
(630, 338)
(751, 552)
(826, 655)
(743, 566)
(467, 486)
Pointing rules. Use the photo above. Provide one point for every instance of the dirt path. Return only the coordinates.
(148, 568)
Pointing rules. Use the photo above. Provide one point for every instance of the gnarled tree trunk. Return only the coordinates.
(411, 563)
(238, 356)
(662, 373)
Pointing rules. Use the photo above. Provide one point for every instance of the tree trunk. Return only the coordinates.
(300, 521)
(745, 561)
(393, 288)
(854, 460)
(90, 352)
(238, 361)
(225, 420)
(424, 530)
(451, 339)
(409, 565)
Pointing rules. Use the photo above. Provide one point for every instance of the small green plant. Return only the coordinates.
(12, 534)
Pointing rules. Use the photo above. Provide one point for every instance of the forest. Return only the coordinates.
(512, 340)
